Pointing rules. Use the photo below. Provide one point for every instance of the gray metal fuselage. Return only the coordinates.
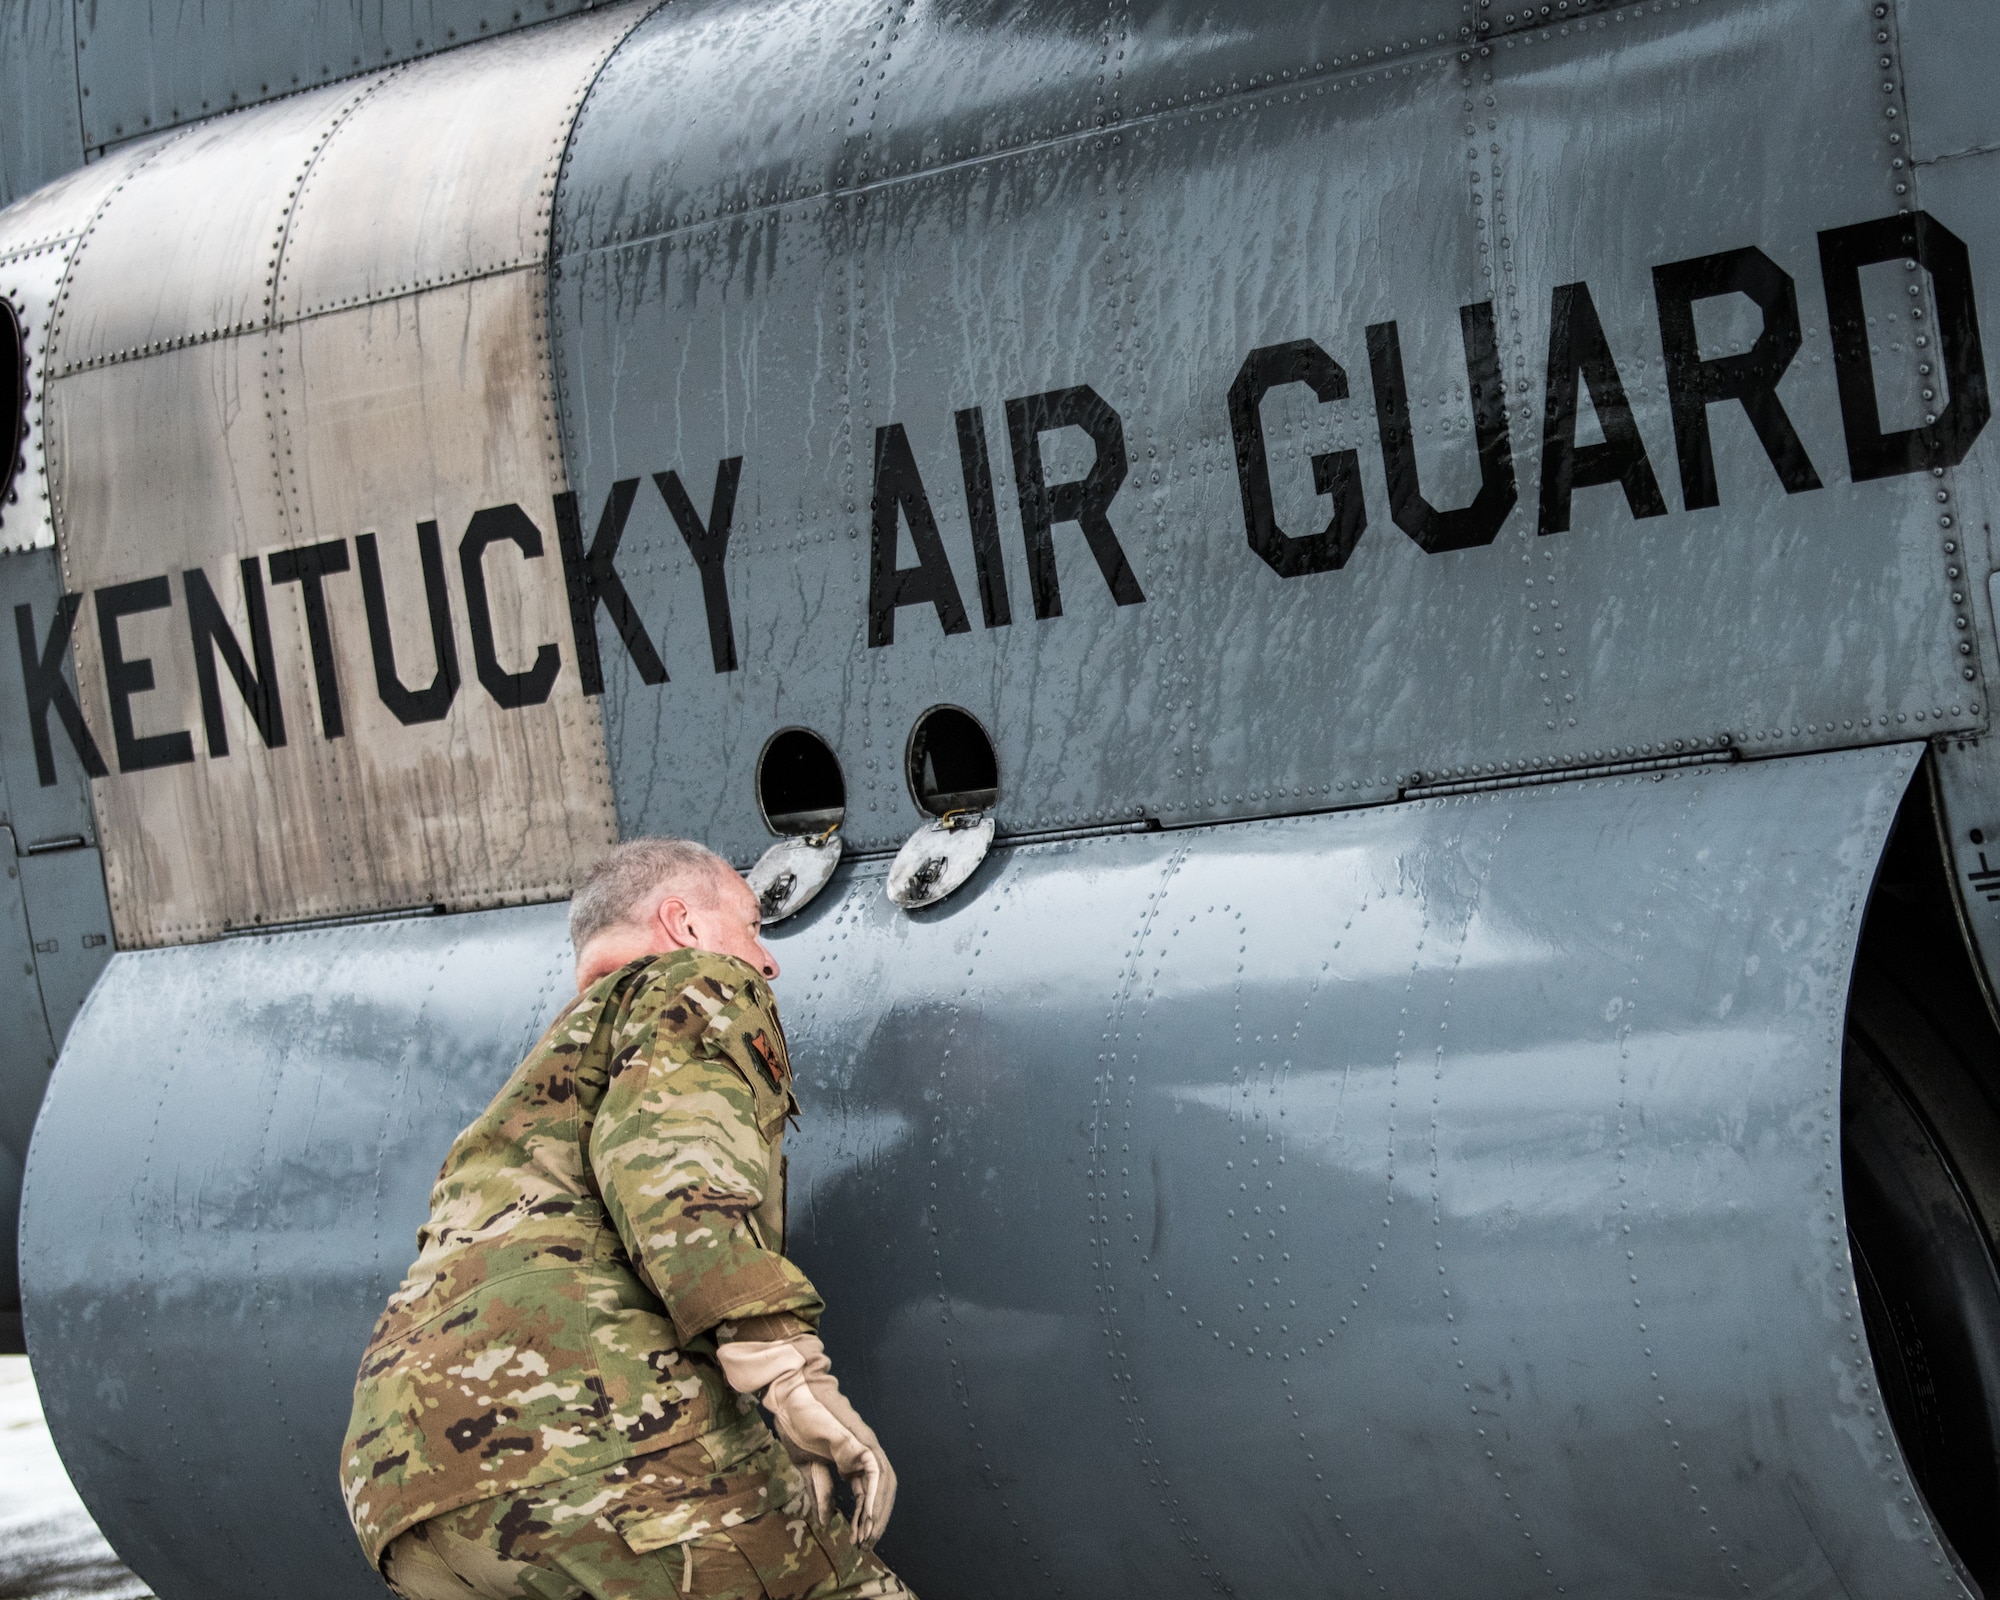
(1459, 524)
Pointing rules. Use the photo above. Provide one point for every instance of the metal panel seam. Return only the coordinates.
(1897, 115)
(297, 319)
(35, 246)
(52, 345)
(548, 216)
(547, 377)
(294, 519)
(272, 320)
(76, 69)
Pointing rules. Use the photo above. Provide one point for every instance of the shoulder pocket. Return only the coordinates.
(758, 1054)
(748, 1035)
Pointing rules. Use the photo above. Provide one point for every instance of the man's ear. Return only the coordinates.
(676, 923)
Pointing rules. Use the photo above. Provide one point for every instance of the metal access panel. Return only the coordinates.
(1267, 410)
(305, 481)
(1443, 1197)
(70, 919)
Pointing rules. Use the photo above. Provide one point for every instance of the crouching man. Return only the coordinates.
(562, 1398)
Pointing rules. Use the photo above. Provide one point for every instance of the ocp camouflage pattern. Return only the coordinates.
(621, 1197)
(655, 1526)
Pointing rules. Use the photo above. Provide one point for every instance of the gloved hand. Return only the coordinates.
(793, 1380)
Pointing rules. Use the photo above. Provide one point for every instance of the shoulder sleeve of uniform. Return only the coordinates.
(716, 1008)
(682, 1146)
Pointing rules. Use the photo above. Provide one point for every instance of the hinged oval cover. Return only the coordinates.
(792, 871)
(939, 857)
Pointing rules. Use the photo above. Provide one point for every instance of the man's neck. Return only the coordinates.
(611, 950)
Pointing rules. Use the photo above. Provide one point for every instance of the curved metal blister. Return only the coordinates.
(794, 870)
(1577, 1086)
(939, 857)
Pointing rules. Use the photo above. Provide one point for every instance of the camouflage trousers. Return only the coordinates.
(657, 1527)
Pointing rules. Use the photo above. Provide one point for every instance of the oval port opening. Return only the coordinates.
(799, 786)
(951, 763)
(1920, 1125)
(13, 400)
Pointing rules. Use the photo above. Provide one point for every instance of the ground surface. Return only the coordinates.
(49, 1547)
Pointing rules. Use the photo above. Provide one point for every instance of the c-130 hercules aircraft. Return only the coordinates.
(1449, 541)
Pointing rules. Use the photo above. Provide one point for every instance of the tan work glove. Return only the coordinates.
(793, 1380)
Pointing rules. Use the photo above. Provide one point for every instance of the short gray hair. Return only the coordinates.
(613, 892)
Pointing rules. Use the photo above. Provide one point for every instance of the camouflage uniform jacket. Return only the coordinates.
(621, 1197)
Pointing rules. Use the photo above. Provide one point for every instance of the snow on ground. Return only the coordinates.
(49, 1547)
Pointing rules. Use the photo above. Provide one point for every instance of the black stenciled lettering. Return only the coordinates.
(1336, 473)
(48, 690)
(1578, 349)
(492, 525)
(1919, 237)
(1086, 501)
(592, 580)
(1469, 525)
(432, 702)
(900, 497)
(308, 566)
(983, 512)
(123, 679)
(209, 632)
(1751, 377)
(708, 544)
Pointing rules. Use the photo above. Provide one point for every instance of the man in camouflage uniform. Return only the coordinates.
(561, 1399)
